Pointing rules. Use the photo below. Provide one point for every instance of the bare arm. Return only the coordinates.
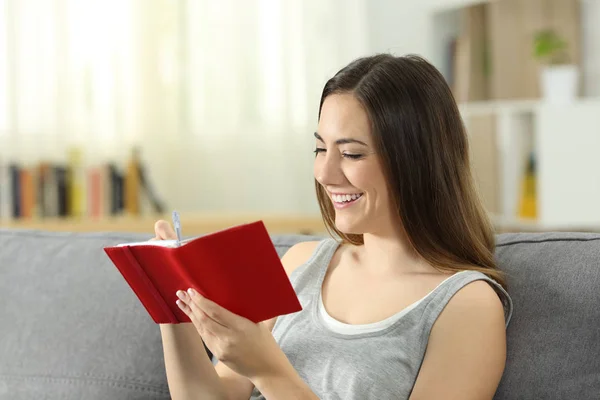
(466, 353)
(190, 373)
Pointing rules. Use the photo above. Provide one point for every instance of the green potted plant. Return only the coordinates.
(559, 76)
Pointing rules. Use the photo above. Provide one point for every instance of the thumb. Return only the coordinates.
(163, 230)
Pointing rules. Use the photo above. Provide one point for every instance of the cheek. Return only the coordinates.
(382, 191)
(371, 181)
(362, 176)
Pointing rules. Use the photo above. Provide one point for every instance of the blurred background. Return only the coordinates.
(115, 112)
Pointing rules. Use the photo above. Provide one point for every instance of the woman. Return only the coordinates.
(409, 303)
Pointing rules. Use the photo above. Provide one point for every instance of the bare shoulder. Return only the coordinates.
(466, 351)
(474, 310)
(297, 255)
(479, 300)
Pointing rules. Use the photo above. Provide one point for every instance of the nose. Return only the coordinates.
(327, 169)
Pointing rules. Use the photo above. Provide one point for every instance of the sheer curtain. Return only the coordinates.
(221, 96)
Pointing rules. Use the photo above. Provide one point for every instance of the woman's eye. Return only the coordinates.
(352, 156)
(345, 155)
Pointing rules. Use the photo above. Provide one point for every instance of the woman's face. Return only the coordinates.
(348, 168)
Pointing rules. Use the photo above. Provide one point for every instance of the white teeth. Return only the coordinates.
(341, 198)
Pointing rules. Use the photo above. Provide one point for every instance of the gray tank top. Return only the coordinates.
(379, 361)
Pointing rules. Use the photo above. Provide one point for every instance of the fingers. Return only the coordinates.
(184, 304)
(163, 230)
(214, 311)
(201, 320)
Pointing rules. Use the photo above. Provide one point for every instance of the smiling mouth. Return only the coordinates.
(345, 200)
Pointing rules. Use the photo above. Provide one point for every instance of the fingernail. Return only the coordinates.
(179, 303)
(181, 294)
(192, 292)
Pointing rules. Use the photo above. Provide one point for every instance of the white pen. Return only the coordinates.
(177, 226)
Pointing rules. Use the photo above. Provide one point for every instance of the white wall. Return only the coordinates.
(398, 27)
(590, 15)
(242, 178)
(407, 26)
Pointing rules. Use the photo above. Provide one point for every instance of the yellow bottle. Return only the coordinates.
(528, 201)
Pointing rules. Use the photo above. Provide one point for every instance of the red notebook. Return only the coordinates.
(237, 268)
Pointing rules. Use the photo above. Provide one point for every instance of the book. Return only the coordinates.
(76, 183)
(116, 181)
(15, 188)
(237, 268)
(28, 195)
(6, 208)
(131, 190)
(62, 190)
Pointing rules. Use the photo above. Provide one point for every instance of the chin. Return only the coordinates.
(350, 226)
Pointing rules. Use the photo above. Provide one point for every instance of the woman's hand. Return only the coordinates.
(244, 346)
(163, 231)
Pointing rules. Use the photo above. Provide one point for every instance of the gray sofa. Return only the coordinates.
(71, 328)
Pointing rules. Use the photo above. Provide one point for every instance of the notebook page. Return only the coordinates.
(161, 243)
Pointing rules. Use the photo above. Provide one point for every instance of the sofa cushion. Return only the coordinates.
(71, 327)
(554, 334)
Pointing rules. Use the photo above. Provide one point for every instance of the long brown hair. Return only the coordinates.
(423, 147)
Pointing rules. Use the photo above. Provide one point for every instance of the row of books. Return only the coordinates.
(70, 189)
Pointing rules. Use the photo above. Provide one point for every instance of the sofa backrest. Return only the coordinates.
(72, 328)
(554, 334)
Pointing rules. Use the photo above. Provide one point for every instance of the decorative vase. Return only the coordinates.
(560, 83)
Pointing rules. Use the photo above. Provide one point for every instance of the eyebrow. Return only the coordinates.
(342, 141)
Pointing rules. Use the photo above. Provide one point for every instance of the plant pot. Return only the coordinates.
(560, 83)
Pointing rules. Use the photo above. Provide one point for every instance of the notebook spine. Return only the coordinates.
(166, 313)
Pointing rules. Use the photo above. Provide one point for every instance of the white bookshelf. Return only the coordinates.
(565, 139)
